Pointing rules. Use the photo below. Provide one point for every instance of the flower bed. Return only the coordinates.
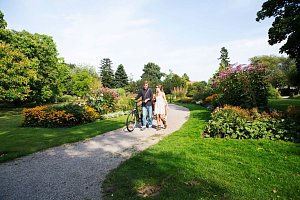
(58, 116)
(104, 100)
(242, 85)
(236, 122)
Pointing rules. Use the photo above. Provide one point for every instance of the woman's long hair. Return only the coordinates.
(160, 87)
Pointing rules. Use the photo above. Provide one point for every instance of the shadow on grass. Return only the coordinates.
(171, 174)
(17, 141)
(203, 116)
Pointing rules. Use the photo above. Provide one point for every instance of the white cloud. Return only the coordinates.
(201, 62)
(123, 37)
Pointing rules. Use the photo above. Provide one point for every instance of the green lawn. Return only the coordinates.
(282, 104)
(16, 141)
(186, 166)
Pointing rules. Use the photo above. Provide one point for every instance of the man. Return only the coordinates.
(147, 96)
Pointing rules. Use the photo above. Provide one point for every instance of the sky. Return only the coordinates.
(184, 36)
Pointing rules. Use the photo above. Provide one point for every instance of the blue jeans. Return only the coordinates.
(147, 110)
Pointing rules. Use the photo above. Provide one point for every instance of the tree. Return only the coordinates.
(106, 73)
(42, 49)
(223, 64)
(83, 80)
(286, 26)
(152, 73)
(173, 81)
(16, 73)
(276, 69)
(121, 78)
(186, 77)
(198, 90)
(3, 23)
(223, 58)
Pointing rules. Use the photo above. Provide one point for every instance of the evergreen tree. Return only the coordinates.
(224, 58)
(121, 78)
(3, 23)
(106, 73)
(223, 64)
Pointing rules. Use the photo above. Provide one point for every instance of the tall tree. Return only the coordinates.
(224, 59)
(83, 79)
(106, 73)
(3, 23)
(286, 26)
(151, 72)
(16, 74)
(197, 90)
(42, 49)
(278, 69)
(186, 77)
(224, 62)
(173, 80)
(121, 78)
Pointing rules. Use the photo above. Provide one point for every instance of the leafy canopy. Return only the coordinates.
(16, 73)
(152, 73)
(42, 50)
(279, 69)
(286, 26)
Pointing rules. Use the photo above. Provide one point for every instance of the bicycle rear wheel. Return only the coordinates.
(131, 121)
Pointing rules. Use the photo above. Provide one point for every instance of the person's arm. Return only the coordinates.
(138, 95)
(166, 102)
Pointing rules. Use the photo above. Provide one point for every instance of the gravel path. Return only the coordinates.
(76, 171)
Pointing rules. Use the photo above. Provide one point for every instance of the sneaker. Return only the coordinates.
(150, 126)
(143, 128)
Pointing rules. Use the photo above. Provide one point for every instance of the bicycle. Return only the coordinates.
(134, 118)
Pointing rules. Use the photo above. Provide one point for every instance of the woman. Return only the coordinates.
(160, 106)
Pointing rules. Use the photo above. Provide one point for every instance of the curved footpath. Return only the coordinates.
(76, 171)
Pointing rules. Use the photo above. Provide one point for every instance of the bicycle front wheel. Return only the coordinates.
(131, 121)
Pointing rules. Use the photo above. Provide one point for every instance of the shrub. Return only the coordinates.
(242, 85)
(212, 100)
(58, 116)
(125, 103)
(170, 98)
(66, 98)
(115, 114)
(179, 92)
(273, 93)
(103, 100)
(236, 122)
(186, 100)
(293, 113)
(121, 91)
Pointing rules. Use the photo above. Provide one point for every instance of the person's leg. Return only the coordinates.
(149, 109)
(158, 120)
(144, 112)
(163, 119)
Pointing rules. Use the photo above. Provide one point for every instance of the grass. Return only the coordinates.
(186, 166)
(17, 141)
(282, 104)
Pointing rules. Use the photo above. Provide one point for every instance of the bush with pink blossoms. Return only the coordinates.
(103, 100)
(242, 85)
